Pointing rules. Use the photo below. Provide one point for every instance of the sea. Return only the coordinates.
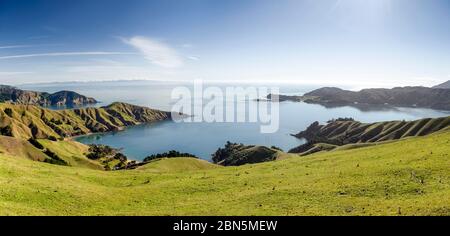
(203, 138)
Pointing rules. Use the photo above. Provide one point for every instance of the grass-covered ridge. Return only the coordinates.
(26, 121)
(405, 177)
(72, 153)
(344, 131)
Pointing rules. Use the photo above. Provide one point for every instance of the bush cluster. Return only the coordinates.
(170, 154)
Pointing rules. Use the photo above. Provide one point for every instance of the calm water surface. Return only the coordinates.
(202, 139)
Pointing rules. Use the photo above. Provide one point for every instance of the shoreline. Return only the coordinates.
(72, 138)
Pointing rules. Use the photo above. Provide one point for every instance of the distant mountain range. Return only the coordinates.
(61, 98)
(434, 98)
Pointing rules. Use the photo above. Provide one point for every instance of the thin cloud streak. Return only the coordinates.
(10, 73)
(156, 52)
(15, 46)
(194, 58)
(26, 46)
(57, 54)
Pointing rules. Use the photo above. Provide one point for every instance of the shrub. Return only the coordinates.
(99, 151)
(106, 167)
(223, 153)
(120, 165)
(35, 143)
(56, 162)
(121, 157)
(8, 111)
(56, 122)
(54, 158)
(341, 119)
(34, 129)
(6, 131)
(276, 148)
(170, 154)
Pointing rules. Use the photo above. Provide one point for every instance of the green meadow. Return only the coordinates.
(406, 177)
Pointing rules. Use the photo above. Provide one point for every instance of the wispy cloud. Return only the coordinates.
(186, 45)
(156, 52)
(194, 58)
(10, 73)
(58, 54)
(27, 46)
(15, 46)
(39, 37)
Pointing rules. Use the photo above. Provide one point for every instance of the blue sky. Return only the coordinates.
(361, 43)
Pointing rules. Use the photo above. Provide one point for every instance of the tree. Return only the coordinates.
(35, 143)
(170, 154)
(8, 111)
(6, 131)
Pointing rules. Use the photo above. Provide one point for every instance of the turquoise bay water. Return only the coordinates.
(202, 139)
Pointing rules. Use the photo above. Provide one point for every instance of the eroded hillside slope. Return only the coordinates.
(26, 121)
(343, 132)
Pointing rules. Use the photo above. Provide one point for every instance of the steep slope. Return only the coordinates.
(62, 98)
(338, 132)
(405, 177)
(72, 153)
(445, 85)
(25, 121)
(20, 149)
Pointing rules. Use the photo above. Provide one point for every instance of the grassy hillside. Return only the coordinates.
(20, 149)
(176, 165)
(405, 177)
(69, 151)
(25, 121)
(343, 132)
(72, 152)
